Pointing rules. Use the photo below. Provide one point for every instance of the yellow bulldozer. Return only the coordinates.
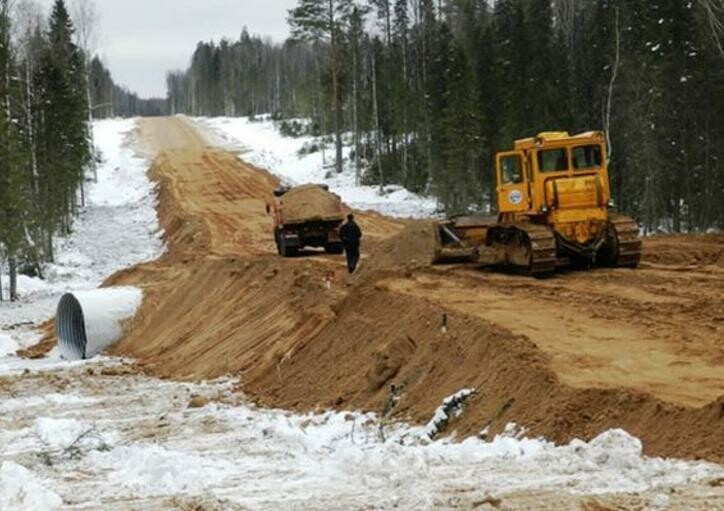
(554, 202)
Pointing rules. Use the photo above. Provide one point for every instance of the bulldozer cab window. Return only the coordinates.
(511, 169)
(587, 157)
(553, 160)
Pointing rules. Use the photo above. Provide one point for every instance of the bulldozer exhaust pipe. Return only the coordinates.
(87, 323)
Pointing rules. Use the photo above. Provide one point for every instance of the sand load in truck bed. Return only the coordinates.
(310, 203)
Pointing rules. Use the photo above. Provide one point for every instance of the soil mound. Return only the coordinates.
(412, 247)
(685, 250)
(382, 347)
(310, 202)
(229, 316)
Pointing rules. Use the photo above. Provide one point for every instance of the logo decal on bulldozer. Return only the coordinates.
(515, 197)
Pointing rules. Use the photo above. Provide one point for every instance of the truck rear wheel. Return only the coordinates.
(286, 250)
(277, 240)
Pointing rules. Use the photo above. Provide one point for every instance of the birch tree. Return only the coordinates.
(714, 12)
(85, 20)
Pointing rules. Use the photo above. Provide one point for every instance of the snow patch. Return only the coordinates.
(451, 407)
(8, 345)
(151, 470)
(48, 400)
(156, 446)
(60, 433)
(21, 490)
(661, 501)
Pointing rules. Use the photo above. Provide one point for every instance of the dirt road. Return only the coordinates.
(655, 331)
(565, 357)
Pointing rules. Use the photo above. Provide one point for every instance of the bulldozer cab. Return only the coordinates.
(554, 172)
(513, 182)
(553, 209)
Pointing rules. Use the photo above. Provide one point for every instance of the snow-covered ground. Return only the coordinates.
(96, 435)
(261, 144)
(100, 439)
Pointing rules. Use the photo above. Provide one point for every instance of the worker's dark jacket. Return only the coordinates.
(350, 234)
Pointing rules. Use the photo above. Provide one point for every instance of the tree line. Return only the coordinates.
(246, 77)
(431, 89)
(110, 100)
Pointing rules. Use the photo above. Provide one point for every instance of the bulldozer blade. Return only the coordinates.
(455, 255)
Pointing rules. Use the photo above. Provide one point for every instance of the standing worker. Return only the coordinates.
(350, 233)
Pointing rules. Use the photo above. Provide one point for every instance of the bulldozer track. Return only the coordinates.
(543, 248)
(629, 241)
(527, 246)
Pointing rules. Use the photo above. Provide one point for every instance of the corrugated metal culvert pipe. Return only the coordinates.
(89, 322)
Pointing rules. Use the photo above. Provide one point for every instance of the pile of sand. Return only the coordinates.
(413, 246)
(685, 250)
(380, 340)
(310, 202)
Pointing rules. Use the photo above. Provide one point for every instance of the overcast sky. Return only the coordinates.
(142, 39)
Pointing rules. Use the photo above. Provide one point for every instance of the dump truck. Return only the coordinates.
(306, 216)
(554, 209)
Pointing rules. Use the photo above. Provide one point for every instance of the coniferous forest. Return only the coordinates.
(427, 91)
(45, 147)
(51, 87)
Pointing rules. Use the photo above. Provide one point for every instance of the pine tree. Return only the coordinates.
(546, 76)
(401, 90)
(428, 34)
(678, 56)
(11, 172)
(437, 88)
(458, 181)
(513, 69)
(44, 132)
(490, 113)
(356, 36)
(324, 20)
(64, 149)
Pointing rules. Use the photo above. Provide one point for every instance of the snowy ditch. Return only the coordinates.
(89, 434)
(139, 440)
